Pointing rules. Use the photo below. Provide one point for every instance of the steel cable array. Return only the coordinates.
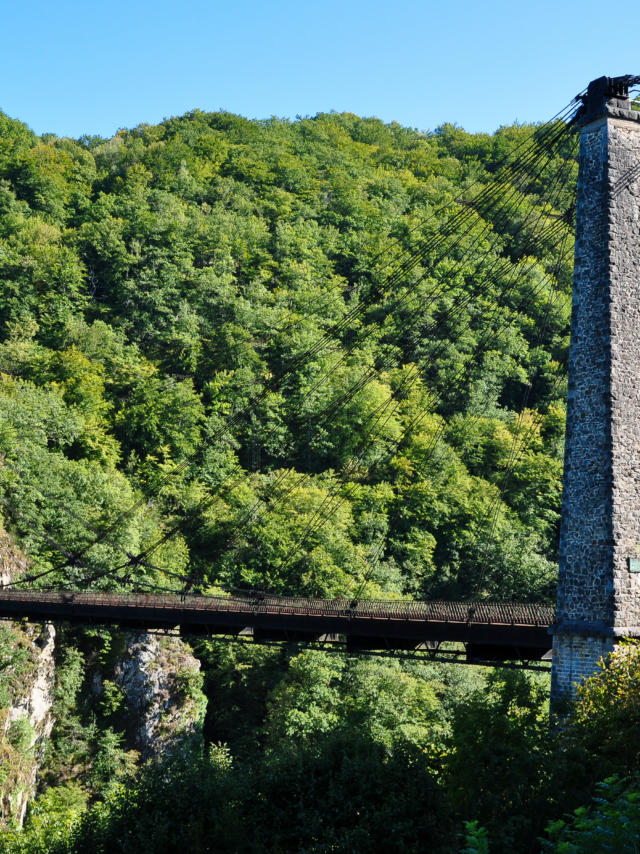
(546, 136)
(498, 262)
(469, 216)
(352, 463)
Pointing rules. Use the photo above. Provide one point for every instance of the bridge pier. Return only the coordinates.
(599, 555)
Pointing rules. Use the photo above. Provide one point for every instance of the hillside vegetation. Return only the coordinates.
(322, 357)
(215, 352)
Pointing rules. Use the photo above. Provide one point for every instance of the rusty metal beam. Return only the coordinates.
(496, 631)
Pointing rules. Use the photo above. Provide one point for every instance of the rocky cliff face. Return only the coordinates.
(27, 675)
(157, 678)
(161, 681)
(26, 722)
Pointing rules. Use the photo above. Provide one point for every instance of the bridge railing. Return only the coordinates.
(492, 613)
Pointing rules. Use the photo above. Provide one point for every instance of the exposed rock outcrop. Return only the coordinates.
(158, 677)
(25, 717)
(162, 683)
(27, 676)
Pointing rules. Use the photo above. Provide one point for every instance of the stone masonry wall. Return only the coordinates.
(598, 595)
(585, 583)
(576, 657)
(624, 266)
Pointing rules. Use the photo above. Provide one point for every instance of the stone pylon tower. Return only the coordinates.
(599, 584)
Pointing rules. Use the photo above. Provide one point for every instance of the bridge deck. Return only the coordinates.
(493, 630)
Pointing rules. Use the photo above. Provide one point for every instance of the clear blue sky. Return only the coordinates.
(75, 67)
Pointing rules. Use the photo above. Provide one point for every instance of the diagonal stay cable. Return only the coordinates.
(537, 236)
(342, 499)
(518, 446)
(269, 386)
(509, 162)
(174, 530)
(566, 114)
(402, 389)
(155, 568)
(82, 520)
(134, 559)
(171, 532)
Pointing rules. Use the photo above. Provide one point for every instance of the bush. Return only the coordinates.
(612, 823)
(21, 734)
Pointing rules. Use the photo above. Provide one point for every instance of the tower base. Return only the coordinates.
(575, 658)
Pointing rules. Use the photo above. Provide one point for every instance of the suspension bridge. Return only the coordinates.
(490, 632)
(487, 632)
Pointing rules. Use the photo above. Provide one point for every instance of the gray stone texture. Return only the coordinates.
(598, 596)
(574, 658)
(33, 700)
(159, 677)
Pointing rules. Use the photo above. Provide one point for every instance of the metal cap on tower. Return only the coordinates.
(603, 92)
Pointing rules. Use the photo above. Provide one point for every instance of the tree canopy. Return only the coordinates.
(250, 333)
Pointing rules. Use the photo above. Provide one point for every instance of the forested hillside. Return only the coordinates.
(211, 330)
(321, 357)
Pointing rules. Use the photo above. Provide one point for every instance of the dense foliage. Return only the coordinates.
(491, 775)
(211, 327)
(242, 350)
(345, 788)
